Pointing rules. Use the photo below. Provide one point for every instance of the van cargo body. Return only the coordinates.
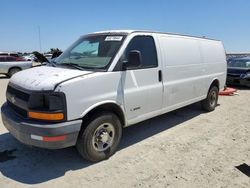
(109, 80)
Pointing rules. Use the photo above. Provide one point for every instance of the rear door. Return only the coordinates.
(184, 70)
(143, 84)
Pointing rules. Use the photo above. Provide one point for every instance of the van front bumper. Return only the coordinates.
(32, 132)
(238, 81)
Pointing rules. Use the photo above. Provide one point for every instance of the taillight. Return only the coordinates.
(20, 59)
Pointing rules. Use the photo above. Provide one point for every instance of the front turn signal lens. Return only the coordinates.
(46, 116)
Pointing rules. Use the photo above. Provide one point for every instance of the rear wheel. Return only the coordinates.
(100, 139)
(210, 102)
(12, 71)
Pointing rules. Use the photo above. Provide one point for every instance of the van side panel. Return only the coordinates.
(188, 67)
(214, 59)
(183, 71)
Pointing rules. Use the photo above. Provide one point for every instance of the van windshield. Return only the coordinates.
(92, 52)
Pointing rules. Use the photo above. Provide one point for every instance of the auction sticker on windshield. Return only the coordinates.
(113, 38)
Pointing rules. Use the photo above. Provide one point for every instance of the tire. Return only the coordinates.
(12, 71)
(211, 101)
(100, 139)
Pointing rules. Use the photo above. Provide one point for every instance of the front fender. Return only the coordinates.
(99, 104)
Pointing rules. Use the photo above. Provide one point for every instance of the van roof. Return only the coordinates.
(148, 31)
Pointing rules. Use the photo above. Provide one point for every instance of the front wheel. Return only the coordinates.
(210, 102)
(100, 138)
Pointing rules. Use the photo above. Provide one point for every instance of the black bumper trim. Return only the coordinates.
(238, 81)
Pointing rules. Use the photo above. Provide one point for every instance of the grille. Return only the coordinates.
(234, 75)
(19, 95)
(18, 110)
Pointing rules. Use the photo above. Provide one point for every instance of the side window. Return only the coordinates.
(14, 55)
(2, 59)
(9, 59)
(146, 45)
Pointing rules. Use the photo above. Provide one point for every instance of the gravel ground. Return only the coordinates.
(184, 148)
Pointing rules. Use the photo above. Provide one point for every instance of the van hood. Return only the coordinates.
(44, 77)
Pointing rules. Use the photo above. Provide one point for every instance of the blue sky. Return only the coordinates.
(63, 21)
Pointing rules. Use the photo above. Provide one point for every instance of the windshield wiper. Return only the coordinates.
(74, 65)
(85, 66)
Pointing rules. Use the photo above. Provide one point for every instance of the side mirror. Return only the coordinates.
(134, 59)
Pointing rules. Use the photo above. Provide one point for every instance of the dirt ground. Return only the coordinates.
(184, 148)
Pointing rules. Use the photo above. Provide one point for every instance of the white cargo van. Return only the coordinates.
(109, 80)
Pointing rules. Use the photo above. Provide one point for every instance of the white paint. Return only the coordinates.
(44, 77)
(191, 64)
(188, 65)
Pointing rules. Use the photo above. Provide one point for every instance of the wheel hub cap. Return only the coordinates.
(213, 98)
(103, 137)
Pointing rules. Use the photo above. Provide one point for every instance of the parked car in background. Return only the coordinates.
(48, 56)
(238, 71)
(13, 54)
(29, 57)
(10, 65)
(42, 58)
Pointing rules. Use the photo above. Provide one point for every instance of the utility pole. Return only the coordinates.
(39, 37)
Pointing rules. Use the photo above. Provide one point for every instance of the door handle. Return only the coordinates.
(159, 75)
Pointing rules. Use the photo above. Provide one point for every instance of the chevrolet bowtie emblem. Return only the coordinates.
(12, 99)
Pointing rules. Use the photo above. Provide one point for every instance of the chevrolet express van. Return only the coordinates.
(109, 80)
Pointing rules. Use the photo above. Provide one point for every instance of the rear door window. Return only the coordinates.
(14, 55)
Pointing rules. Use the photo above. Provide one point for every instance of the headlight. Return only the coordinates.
(47, 106)
(247, 75)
